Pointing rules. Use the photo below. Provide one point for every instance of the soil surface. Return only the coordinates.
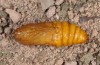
(15, 13)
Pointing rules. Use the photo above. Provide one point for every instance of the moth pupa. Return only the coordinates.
(50, 33)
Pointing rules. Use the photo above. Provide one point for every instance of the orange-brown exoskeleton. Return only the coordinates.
(50, 33)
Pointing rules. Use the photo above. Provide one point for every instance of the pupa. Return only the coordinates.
(51, 34)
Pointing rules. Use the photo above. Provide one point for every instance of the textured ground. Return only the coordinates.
(14, 13)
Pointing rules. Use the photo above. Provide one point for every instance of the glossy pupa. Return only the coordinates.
(50, 33)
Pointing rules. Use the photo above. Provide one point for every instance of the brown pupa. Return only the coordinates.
(50, 33)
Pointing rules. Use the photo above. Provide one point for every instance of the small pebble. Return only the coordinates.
(40, 49)
(87, 58)
(81, 9)
(93, 62)
(3, 14)
(94, 45)
(4, 42)
(70, 14)
(15, 16)
(71, 63)
(63, 12)
(4, 22)
(51, 12)
(7, 30)
(76, 18)
(58, 8)
(59, 62)
(46, 4)
(85, 49)
(92, 50)
(56, 16)
(58, 2)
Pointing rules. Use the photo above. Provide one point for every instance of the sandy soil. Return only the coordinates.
(14, 13)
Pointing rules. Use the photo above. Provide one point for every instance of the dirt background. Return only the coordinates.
(84, 13)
